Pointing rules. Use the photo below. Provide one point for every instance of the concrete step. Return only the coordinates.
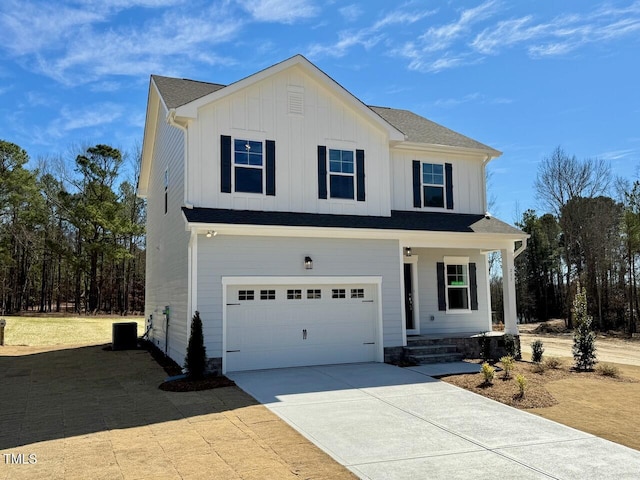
(424, 342)
(435, 358)
(430, 349)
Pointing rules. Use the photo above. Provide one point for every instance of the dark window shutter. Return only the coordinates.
(417, 183)
(442, 291)
(360, 175)
(225, 164)
(473, 286)
(448, 170)
(270, 162)
(322, 171)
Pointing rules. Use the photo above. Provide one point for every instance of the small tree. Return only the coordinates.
(584, 338)
(196, 360)
(537, 349)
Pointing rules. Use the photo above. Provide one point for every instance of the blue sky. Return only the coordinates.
(522, 77)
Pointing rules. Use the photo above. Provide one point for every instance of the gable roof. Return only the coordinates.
(399, 220)
(421, 130)
(179, 91)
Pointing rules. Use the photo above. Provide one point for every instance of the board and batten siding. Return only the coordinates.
(261, 112)
(167, 241)
(468, 181)
(447, 322)
(230, 256)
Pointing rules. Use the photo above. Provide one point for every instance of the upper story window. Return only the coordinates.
(247, 158)
(341, 176)
(251, 163)
(433, 184)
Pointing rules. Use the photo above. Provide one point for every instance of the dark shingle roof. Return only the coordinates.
(420, 130)
(180, 91)
(399, 220)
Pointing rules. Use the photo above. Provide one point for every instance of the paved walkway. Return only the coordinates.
(384, 422)
(86, 413)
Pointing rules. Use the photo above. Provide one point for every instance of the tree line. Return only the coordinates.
(70, 241)
(590, 234)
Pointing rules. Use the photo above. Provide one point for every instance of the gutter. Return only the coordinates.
(521, 248)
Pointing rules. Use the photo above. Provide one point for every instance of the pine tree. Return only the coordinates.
(584, 338)
(196, 360)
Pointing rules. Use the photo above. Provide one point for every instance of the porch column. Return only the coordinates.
(509, 292)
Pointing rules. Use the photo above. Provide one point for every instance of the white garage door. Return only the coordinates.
(296, 325)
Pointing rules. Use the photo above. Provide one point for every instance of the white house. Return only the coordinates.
(309, 228)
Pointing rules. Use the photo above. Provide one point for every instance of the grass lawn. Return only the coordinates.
(604, 406)
(56, 330)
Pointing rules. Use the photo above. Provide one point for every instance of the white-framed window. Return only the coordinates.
(294, 294)
(314, 294)
(338, 293)
(245, 295)
(267, 294)
(433, 185)
(341, 174)
(248, 163)
(457, 285)
(357, 293)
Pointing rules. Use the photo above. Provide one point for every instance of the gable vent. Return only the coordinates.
(295, 102)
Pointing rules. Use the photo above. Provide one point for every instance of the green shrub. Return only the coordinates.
(522, 384)
(196, 359)
(512, 346)
(608, 370)
(507, 365)
(584, 338)
(537, 349)
(553, 362)
(488, 372)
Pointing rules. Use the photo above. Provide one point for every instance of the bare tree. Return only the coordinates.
(562, 177)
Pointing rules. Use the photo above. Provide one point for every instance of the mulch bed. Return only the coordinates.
(183, 384)
(536, 395)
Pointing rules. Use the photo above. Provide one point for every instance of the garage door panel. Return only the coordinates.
(279, 326)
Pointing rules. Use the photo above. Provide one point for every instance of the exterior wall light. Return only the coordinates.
(308, 263)
(211, 233)
(407, 252)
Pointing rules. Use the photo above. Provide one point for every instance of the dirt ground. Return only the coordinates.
(86, 412)
(589, 402)
(609, 348)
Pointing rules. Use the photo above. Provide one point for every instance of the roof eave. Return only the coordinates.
(154, 101)
(484, 152)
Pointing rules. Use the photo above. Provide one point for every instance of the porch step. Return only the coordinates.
(424, 341)
(436, 358)
(414, 350)
(424, 350)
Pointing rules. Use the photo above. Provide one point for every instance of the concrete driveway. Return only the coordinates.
(385, 422)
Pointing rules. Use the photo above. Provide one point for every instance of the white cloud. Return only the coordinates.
(351, 12)
(282, 11)
(560, 35)
(366, 37)
(618, 154)
(476, 97)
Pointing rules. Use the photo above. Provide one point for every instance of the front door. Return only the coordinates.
(410, 301)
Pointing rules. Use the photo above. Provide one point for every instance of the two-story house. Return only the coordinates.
(309, 228)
